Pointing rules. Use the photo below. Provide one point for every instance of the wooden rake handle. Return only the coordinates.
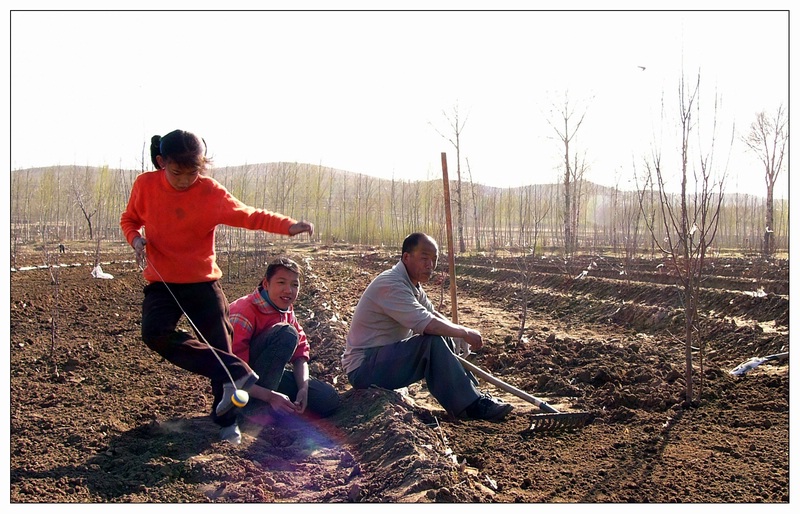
(505, 386)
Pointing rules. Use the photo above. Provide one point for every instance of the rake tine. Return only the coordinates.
(559, 421)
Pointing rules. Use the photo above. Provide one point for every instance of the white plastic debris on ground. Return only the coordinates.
(98, 272)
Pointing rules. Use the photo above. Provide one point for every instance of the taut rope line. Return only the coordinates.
(200, 334)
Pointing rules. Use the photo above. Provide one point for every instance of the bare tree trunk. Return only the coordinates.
(768, 138)
(457, 127)
(524, 263)
(691, 226)
(769, 231)
(567, 200)
(566, 135)
(476, 227)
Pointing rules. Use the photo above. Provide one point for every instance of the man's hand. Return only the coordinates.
(474, 338)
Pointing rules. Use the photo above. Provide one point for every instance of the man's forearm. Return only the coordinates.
(444, 327)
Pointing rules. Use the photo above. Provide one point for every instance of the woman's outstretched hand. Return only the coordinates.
(300, 227)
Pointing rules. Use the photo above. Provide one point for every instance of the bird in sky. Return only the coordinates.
(642, 68)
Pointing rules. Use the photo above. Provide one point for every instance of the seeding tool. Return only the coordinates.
(748, 366)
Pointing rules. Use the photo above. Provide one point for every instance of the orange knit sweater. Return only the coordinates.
(179, 226)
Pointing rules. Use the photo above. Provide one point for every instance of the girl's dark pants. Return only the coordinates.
(207, 307)
(270, 352)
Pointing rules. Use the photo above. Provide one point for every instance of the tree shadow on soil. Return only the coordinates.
(635, 463)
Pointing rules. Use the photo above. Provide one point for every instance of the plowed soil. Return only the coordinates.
(96, 417)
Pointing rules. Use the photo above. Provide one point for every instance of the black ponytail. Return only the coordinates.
(155, 149)
(182, 147)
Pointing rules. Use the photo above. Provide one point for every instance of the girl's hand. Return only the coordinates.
(300, 227)
(281, 403)
(301, 402)
(138, 245)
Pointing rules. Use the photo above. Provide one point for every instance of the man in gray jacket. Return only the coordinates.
(397, 338)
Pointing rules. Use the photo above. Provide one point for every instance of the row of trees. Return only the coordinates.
(63, 203)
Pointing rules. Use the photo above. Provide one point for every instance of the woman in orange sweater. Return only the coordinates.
(173, 212)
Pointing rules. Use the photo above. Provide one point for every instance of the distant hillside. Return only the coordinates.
(84, 202)
(226, 173)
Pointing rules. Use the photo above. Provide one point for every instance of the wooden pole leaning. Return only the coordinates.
(451, 254)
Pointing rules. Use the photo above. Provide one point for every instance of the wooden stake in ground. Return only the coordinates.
(451, 256)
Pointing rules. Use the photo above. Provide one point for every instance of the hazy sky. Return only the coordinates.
(366, 91)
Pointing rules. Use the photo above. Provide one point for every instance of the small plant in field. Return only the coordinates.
(54, 270)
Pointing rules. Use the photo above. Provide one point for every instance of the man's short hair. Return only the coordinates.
(412, 241)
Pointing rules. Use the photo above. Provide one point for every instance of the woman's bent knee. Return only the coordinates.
(327, 400)
(283, 335)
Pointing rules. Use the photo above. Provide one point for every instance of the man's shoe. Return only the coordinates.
(244, 383)
(231, 433)
(488, 408)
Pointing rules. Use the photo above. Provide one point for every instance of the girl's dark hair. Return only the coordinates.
(281, 262)
(181, 147)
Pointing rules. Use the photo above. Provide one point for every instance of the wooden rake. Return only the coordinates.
(552, 419)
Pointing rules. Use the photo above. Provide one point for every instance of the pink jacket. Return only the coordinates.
(252, 314)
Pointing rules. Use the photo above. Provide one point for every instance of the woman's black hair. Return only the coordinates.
(181, 147)
(281, 262)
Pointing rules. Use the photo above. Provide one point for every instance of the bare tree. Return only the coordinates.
(566, 134)
(85, 201)
(393, 206)
(476, 226)
(630, 220)
(767, 139)
(320, 188)
(690, 218)
(540, 210)
(364, 214)
(577, 171)
(53, 268)
(493, 208)
(329, 217)
(284, 179)
(457, 126)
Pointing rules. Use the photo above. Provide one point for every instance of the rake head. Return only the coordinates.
(553, 421)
